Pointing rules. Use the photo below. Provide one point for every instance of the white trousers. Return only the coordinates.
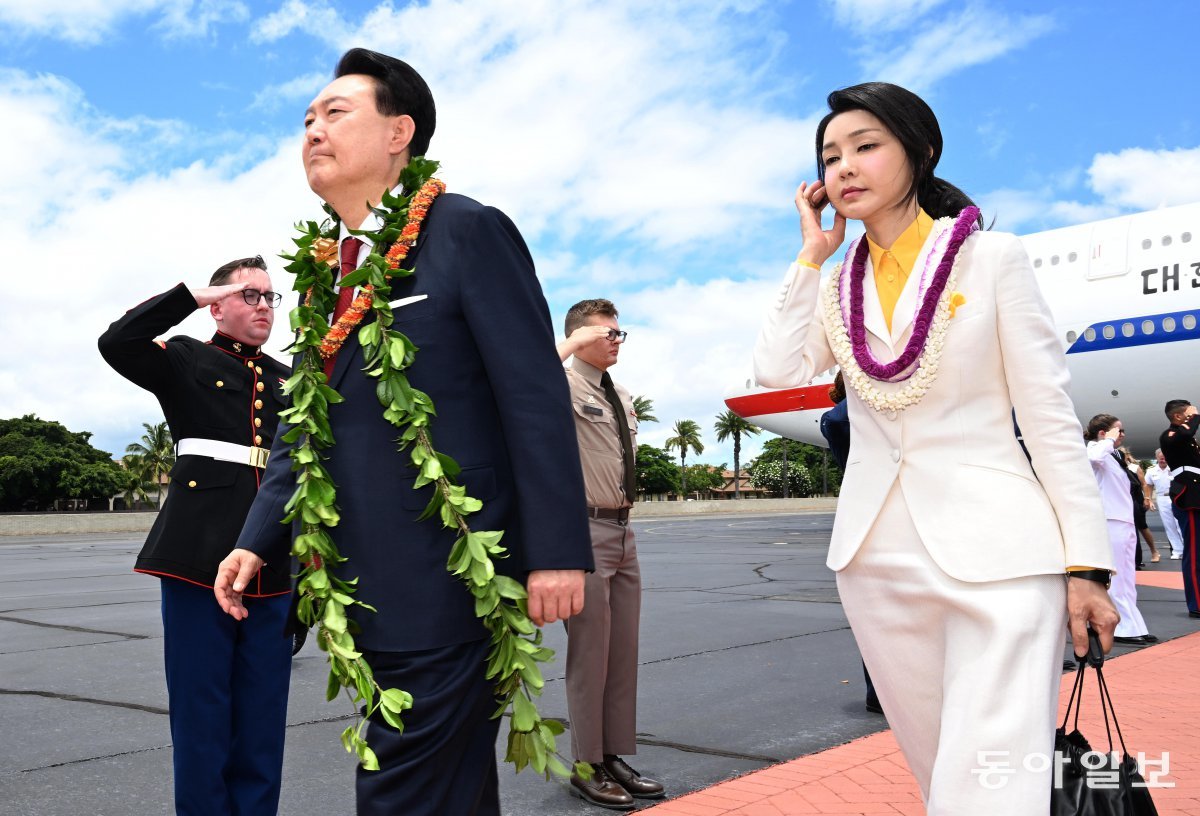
(1166, 514)
(1123, 538)
(967, 673)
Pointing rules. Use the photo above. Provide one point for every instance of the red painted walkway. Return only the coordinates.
(1154, 692)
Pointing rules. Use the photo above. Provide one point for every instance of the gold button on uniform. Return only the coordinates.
(220, 383)
(258, 370)
(259, 386)
(192, 484)
(257, 422)
(258, 403)
(258, 440)
(249, 364)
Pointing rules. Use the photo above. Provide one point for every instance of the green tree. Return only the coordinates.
(704, 478)
(137, 487)
(805, 466)
(656, 471)
(41, 462)
(687, 437)
(156, 455)
(643, 409)
(730, 424)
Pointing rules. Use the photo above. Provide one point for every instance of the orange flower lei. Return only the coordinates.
(418, 209)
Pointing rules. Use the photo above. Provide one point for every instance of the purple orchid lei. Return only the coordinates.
(966, 223)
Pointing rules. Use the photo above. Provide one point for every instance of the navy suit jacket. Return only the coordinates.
(486, 357)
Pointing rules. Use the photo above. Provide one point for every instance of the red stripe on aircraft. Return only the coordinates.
(806, 398)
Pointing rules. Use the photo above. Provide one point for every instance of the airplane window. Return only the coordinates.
(1071, 337)
(1089, 334)
(1037, 263)
(1146, 243)
(1166, 240)
(1186, 237)
(1054, 260)
(1189, 322)
(1169, 324)
(1147, 327)
(1109, 332)
(1127, 329)
(1071, 258)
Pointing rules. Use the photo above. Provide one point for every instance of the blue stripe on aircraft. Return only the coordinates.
(1160, 333)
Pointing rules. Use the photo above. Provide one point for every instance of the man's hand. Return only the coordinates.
(208, 295)
(1088, 601)
(553, 595)
(581, 338)
(233, 574)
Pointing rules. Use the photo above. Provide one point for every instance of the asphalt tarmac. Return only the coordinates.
(746, 660)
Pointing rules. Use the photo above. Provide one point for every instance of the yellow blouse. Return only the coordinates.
(894, 264)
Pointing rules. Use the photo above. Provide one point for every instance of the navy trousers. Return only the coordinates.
(227, 682)
(444, 762)
(1188, 519)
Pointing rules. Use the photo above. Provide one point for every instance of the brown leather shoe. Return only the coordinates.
(639, 787)
(601, 790)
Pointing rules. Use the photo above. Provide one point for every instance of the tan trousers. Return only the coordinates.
(967, 673)
(602, 649)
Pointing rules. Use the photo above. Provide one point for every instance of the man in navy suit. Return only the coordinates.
(487, 358)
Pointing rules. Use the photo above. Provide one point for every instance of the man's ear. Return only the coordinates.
(403, 131)
(218, 314)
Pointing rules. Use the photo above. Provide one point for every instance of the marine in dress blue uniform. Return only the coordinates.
(227, 680)
(1182, 452)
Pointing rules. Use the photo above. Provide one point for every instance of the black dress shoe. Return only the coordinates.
(873, 703)
(1149, 639)
(1069, 665)
(1140, 640)
(638, 786)
(601, 790)
(1194, 614)
(298, 640)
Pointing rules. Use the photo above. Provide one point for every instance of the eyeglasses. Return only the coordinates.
(252, 296)
(618, 336)
(1120, 432)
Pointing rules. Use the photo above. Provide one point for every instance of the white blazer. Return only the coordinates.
(978, 506)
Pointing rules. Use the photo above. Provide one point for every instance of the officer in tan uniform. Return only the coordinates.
(602, 642)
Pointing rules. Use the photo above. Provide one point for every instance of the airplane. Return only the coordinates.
(1125, 296)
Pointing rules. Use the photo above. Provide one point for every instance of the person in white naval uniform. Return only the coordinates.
(1159, 477)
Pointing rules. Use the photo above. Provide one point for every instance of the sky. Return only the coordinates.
(648, 152)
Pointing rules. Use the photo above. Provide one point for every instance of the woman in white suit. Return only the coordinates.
(950, 552)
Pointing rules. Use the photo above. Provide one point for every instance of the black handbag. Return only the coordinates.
(1092, 783)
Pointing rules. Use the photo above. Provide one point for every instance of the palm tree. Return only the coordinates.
(643, 409)
(687, 437)
(156, 450)
(137, 481)
(730, 424)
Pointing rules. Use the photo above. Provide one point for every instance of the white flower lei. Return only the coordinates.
(926, 366)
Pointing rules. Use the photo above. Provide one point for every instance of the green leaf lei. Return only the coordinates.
(500, 602)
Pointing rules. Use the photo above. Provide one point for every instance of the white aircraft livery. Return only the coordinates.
(1125, 296)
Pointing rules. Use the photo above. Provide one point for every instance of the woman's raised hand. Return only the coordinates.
(819, 243)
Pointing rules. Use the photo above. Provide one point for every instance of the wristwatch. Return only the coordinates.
(1100, 576)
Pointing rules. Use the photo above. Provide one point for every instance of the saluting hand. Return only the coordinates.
(208, 295)
(819, 243)
(581, 338)
(233, 576)
(554, 595)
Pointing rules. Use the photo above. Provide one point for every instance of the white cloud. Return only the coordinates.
(89, 22)
(971, 37)
(301, 89)
(1145, 179)
(318, 19)
(880, 15)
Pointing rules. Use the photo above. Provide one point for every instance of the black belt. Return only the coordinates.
(619, 516)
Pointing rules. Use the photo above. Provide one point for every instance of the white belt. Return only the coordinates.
(1187, 468)
(225, 451)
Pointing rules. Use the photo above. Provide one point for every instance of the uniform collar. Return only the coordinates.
(588, 371)
(235, 347)
(908, 246)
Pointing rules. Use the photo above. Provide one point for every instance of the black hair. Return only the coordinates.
(912, 122)
(1175, 406)
(399, 90)
(225, 271)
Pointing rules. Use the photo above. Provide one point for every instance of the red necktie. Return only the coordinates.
(349, 258)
